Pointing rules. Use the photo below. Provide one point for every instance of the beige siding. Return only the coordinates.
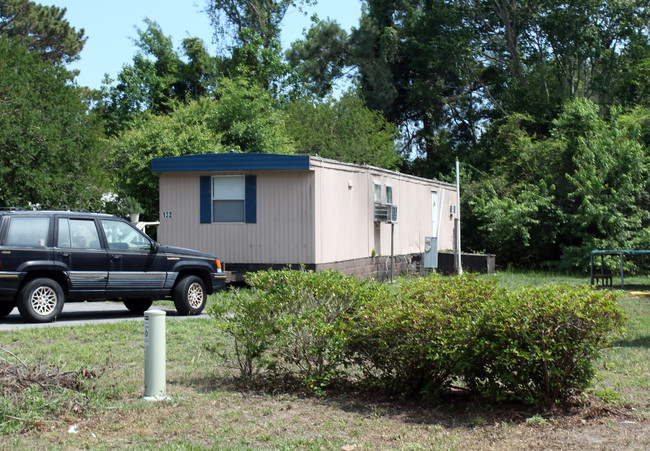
(345, 227)
(344, 210)
(284, 232)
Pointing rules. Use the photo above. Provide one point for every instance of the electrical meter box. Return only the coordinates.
(430, 252)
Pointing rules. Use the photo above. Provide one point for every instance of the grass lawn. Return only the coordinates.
(208, 410)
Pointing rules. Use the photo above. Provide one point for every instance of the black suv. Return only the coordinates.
(49, 257)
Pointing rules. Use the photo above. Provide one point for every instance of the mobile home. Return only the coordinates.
(266, 210)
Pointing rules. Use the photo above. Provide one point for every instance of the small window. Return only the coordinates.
(28, 232)
(377, 193)
(78, 233)
(229, 199)
(63, 239)
(389, 194)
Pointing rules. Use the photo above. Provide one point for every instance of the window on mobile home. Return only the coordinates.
(377, 192)
(389, 195)
(224, 197)
(228, 199)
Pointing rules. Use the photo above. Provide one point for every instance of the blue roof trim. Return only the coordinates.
(225, 162)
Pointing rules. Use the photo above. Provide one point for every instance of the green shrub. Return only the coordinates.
(413, 343)
(248, 318)
(538, 344)
(294, 321)
(535, 345)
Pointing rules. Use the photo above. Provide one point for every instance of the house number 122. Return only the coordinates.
(167, 214)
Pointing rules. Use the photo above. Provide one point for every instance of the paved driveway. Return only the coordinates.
(77, 313)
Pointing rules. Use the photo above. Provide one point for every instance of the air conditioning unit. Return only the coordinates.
(386, 213)
(382, 212)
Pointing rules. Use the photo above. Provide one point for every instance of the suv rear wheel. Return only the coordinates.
(190, 296)
(138, 306)
(40, 300)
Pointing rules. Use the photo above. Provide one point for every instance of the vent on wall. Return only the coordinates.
(452, 209)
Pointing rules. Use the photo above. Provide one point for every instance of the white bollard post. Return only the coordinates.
(155, 377)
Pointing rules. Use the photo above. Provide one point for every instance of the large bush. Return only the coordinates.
(413, 342)
(535, 345)
(539, 344)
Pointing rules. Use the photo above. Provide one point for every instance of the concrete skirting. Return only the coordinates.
(375, 267)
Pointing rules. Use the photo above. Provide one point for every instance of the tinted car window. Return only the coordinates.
(29, 232)
(121, 235)
(63, 239)
(78, 233)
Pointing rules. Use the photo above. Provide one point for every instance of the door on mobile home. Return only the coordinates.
(434, 213)
(432, 244)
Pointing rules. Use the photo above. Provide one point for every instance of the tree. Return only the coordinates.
(51, 151)
(520, 222)
(556, 198)
(158, 77)
(344, 130)
(252, 30)
(261, 64)
(541, 53)
(611, 181)
(321, 58)
(243, 20)
(42, 29)
(242, 119)
(412, 59)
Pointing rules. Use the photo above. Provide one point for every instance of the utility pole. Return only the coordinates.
(458, 264)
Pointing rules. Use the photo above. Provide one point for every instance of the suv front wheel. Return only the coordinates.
(190, 296)
(40, 300)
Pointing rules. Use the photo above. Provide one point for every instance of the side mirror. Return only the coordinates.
(155, 247)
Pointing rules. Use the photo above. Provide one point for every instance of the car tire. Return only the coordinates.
(41, 300)
(6, 308)
(137, 306)
(190, 296)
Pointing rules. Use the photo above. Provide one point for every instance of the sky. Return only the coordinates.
(111, 27)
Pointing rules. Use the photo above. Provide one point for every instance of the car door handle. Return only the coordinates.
(64, 254)
(116, 257)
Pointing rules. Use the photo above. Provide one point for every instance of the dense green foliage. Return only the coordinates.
(158, 77)
(320, 59)
(344, 130)
(583, 188)
(51, 149)
(534, 345)
(539, 344)
(415, 341)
